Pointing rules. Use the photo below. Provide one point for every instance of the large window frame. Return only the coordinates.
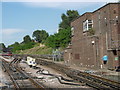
(87, 25)
(72, 30)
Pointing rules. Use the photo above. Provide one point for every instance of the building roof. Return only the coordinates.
(105, 6)
(94, 11)
(81, 16)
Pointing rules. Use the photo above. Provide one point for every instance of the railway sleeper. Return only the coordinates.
(84, 75)
(99, 80)
(116, 86)
(91, 83)
(13, 69)
(60, 78)
(83, 79)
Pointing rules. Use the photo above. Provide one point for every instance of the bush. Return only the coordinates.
(23, 46)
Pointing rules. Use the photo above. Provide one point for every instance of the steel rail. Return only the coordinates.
(107, 82)
(89, 82)
(16, 85)
(101, 81)
(35, 83)
(79, 78)
(89, 79)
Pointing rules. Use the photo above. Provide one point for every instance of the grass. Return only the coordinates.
(36, 50)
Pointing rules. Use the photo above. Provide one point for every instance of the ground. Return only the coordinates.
(4, 78)
(52, 81)
(112, 75)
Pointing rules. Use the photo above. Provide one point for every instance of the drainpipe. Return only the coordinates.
(106, 41)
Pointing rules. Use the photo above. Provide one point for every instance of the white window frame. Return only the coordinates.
(86, 24)
(72, 30)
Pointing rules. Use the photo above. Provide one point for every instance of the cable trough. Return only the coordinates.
(90, 80)
(61, 79)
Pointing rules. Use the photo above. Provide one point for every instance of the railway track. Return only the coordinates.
(19, 78)
(88, 79)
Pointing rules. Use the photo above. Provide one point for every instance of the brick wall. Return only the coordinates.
(88, 54)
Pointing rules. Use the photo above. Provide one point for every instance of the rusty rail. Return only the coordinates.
(14, 64)
(37, 84)
(16, 85)
(90, 80)
(34, 82)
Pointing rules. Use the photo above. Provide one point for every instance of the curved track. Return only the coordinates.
(88, 79)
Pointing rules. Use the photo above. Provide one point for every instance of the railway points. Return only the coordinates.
(55, 75)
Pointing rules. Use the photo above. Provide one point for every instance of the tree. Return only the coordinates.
(65, 28)
(27, 39)
(63, 37)
(16, 43)
(22, 46)
(66, 19)
(2, 47)
(60, 39)
(65, 22)
(40, 35)
(50, 42)
(15, 46)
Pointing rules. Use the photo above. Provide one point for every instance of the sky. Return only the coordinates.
(19, 19)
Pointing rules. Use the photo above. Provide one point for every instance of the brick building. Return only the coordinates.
(95, 34)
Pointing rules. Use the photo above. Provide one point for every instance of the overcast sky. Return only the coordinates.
(22, 18)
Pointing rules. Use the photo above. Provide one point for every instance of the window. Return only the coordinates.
(89, 21)
(77, 56)
(87, 25)
(114, 11)
(116, 19)
(84, 26)
(72, 29)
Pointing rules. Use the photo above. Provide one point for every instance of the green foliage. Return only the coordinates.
(65, 22)
(2, 46)
(40, 35)
(27, 45)
(37, 50)
(60, 39)
(63, 37)
(50, 41)
(66, 19)
(16, 46)
(26, 39)
(91, 31)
